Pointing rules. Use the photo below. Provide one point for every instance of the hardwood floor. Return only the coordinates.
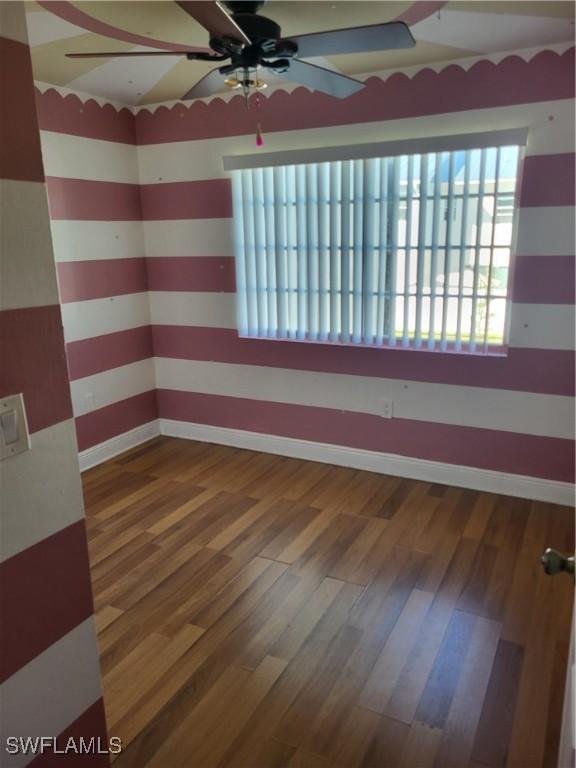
(255, 610)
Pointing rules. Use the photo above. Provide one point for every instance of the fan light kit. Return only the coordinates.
(248, 81)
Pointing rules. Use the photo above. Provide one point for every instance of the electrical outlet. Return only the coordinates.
(386, 408)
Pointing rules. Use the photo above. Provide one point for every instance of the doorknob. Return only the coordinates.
(554, 562)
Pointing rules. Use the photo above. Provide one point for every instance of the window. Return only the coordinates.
(408, 251)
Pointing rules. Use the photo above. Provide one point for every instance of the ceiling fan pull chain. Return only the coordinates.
(259, 136)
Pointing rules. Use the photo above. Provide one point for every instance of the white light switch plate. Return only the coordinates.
(14, 435)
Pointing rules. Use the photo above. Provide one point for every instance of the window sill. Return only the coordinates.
(500, 351)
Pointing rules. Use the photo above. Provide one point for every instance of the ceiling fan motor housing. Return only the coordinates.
(244, 6)
(268, 49)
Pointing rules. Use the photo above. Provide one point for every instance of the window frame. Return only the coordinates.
(387, 150)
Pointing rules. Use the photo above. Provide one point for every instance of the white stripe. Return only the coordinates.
(551, 130)
(546, 231)
(102, 389)
(378, 150)
(43, 486)
(25, 232)
(54, 689)
(507, 30)
(189, 237)
(46, 27)
(459, 476)
(542, 326)
(213, 310)
(125, 79)
(523, 412)
(97, 240)
(76, 157)
(86, 319)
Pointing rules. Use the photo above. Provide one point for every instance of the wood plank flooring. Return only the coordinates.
(260, 611)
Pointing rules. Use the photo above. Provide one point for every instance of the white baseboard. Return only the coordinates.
(523, 486)
(118, 444)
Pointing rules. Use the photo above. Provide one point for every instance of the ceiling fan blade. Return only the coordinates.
(375, 37)
(215, 18)
(111, 55)
(320, 79)
(210, 84)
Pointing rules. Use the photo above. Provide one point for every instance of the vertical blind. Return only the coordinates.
(411, 251)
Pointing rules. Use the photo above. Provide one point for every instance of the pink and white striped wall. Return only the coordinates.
(505, 423)
(95, 209)
(49, 669)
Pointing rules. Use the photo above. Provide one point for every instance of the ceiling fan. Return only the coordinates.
(251, 41)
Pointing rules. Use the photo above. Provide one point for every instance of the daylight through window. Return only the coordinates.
(410, 251)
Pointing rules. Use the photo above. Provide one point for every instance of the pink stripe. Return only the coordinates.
(526, 370)
(74, 15)
(209, 199)
(512, 81)
(90, 724)
(544, 280)
(93, 200)
(49, 594)
(33, 362)
(192, 273)
(548, 180)
(545, 457)
(84, 280)
(20, 152)
(102, 353)
(69, 114)
(98, 426)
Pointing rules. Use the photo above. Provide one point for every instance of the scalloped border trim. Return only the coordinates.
(546, 76)
(526, 54)
(69, 113)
